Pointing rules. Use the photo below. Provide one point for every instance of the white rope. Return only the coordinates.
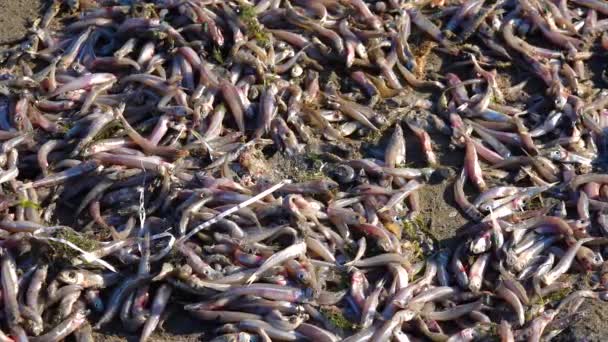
(234, 209)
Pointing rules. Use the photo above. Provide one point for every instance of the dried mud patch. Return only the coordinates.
(591, 324)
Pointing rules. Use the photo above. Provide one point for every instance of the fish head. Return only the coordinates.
(342, 173)
(475, 284)
(72, 277)
(486, 206)
(330, 184)
(481, 244)
(556, 154)
(590, 259)
(303, 276)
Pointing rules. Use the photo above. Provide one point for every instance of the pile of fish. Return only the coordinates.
(136, 187)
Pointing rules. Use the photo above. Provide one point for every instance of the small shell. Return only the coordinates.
(349, 128)
(296, 71)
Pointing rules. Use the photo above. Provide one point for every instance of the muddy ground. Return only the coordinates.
(440, 218)
(15, 17)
